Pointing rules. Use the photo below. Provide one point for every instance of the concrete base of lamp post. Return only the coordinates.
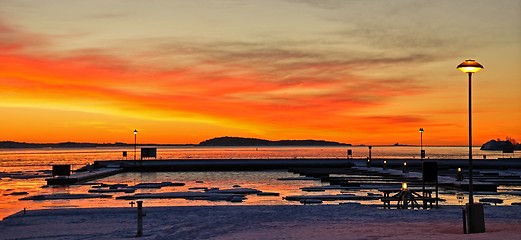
(474, 218)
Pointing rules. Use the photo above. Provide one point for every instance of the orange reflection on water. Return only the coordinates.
(264, 181)
(13, 189)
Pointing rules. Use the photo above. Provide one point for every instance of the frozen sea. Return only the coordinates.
(24, 170)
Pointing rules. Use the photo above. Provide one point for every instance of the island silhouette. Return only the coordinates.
(218, 141)
(240, 141)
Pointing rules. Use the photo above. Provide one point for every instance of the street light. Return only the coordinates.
(135, 146)
(470, 66)
(422, 155)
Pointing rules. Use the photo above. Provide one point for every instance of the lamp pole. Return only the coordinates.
(135, 144)
(471, 192)
(470, 66)
(421, 143)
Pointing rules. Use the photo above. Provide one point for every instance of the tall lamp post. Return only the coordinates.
(135, 144)
(476, 222)
(422, 155)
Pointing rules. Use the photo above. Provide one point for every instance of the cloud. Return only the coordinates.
(326, 4)
(12, 39)
(265, 84)
(391, 120)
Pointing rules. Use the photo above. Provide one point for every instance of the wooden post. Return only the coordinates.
(139, 219)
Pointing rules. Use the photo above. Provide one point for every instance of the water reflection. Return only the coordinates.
(42, 159)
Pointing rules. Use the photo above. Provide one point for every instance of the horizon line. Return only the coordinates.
(198, 144)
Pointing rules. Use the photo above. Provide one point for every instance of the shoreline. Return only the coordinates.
(346, 221)
(59, 146)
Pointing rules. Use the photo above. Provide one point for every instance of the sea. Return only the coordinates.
(23, 173)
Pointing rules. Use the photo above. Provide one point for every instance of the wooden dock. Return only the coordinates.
(488, 174)
(223, 164)
(317, 168)
(106, 168)
(80, 177)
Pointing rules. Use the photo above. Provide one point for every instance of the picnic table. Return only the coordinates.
(406, 198)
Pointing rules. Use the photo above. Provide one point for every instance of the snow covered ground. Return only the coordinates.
(348, 221)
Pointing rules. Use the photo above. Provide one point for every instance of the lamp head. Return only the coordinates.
(135, 132)
(421, 130)
(404, 186)
(470, 66)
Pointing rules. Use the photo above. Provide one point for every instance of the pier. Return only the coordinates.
(223, 164)
(105, 168)
(487, 171)
(83, 176)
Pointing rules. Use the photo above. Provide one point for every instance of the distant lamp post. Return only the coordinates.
(135, 144)
(476, 222)
(422, 153)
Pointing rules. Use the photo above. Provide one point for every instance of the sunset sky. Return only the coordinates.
(360, 72)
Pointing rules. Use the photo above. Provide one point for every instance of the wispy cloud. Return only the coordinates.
(284, 67)
(258, 83)
(13, 39)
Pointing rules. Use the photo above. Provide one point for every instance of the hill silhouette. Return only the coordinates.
(219, 141)
(239, 141)
(12, 144)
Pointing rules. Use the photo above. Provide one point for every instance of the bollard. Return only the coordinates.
(459, 175)
(384, 165)
(139, 219)
(405, 169)
(368, 162)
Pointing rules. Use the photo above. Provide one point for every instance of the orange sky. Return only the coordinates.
(359, 72)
